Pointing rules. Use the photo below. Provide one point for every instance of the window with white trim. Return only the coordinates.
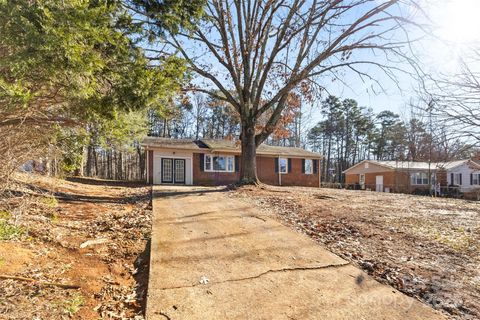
(308, 166)
(419, 178)
(230, 164)
(283, 165)
(208, 162)
(362, 179)
(475, 178)
(219, 163)
(457, 180)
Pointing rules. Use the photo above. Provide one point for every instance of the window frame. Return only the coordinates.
(361, 179)
(415, 177)
(229, 159)
(456, 179)
(230, 163)
(477, 183)
(311, 166)
(280, 165)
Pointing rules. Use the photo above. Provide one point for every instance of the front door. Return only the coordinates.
(167, 170)
(173, 170)
(179, 171)
(379, 183)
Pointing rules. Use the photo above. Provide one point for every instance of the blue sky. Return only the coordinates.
(454, 21)
(456, 28)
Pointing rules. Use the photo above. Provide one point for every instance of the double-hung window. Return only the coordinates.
(457, 179)
(475, 178)
(283, 165)
(308, 166)
(419, 178)
(362, 179)
(219, 163)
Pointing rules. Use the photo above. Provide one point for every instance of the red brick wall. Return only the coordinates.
(391, 179)
(266, 173)
(201, 177)
(352, 179)
(265, 170)
(397, 181)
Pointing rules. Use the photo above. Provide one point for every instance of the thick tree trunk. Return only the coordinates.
(248, 172)
(141, 162)
(89, 161)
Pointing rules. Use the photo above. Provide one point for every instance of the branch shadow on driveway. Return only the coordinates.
(190, 192)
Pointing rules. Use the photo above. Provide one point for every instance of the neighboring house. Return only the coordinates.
(410, 177)
(465, 174)
(217, 162)
(390, 176)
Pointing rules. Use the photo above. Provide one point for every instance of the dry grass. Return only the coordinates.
(56, 217)
(425, 247)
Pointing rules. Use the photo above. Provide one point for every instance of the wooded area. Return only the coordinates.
(84, 82)
(75, 78)
(81, 107)
(271, 55)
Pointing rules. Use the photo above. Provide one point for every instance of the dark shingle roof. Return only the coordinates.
(413, 165)
(225, 146)
(234, 146)
(187, 144)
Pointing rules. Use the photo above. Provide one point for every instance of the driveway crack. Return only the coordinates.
(328, 266)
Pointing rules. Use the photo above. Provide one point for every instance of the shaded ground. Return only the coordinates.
(215, 257)
(55, 219)
(426, 247)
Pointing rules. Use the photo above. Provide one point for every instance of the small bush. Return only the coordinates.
(5, 215)
(73, 305)
(54, 218)
(51, 202)
(8, 231)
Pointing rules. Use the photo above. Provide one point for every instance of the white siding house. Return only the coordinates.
(464, 174)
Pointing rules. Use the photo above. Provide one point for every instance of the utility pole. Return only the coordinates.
(430, 109)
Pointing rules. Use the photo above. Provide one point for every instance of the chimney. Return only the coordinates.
(476, 156)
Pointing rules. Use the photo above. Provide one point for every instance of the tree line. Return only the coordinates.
(347, 134)
(350, 133)
(82, 82)
(76, 84)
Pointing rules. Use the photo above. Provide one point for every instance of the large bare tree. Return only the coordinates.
(454, 99)
(254, 53)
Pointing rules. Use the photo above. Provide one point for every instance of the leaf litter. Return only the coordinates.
(93, 234)
(426, 247)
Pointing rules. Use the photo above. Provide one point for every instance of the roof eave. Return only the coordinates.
(369, 161)
(150, 147)
(210, 149)
(314, 156)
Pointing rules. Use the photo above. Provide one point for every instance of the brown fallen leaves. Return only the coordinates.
(426, 247)
(111, 221)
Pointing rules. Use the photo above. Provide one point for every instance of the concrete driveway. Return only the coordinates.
(215, 257)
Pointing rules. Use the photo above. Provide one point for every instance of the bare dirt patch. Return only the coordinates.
(426, 247)
(90, 233)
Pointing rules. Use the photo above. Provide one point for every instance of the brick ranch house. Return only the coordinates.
(409, 177)
(217, 162)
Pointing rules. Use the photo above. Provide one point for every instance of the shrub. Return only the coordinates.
(5, 215)
(8, 231)
(51, 202)
(73, 305)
